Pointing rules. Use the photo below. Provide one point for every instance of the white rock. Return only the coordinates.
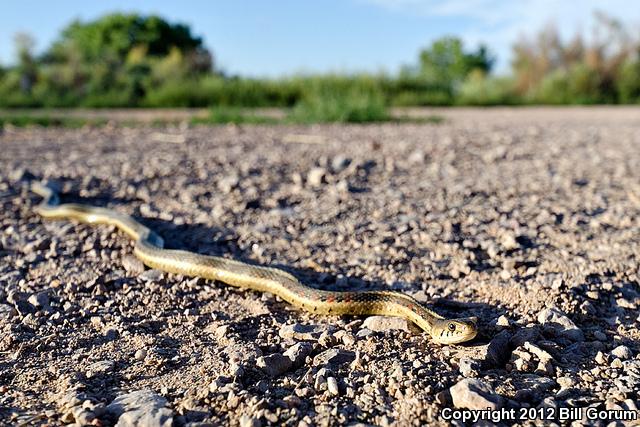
(141, 408)
(622, 352)
(472, 393)
(560, 323)
(385, 323)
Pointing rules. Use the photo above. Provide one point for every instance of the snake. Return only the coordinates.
(149, 248)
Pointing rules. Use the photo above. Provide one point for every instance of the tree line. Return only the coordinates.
(129, 60)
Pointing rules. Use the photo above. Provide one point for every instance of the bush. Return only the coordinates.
(628, 82)
(479, 89)
(337, 99)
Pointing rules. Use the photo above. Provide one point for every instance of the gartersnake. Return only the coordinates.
(149, 248)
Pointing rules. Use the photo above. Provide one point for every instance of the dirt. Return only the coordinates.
(526, 218)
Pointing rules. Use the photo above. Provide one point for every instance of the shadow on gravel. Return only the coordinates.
(214, 241)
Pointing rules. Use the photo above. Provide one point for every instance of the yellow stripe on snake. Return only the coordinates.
(149, 249)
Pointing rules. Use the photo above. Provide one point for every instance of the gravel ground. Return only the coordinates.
(526, 218)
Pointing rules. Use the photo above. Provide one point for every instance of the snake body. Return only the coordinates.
(149, 248)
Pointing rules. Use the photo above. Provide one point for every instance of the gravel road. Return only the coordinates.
(528, 219)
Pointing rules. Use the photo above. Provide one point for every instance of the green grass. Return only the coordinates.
(49, 121)
(228, 115)
(324, 111)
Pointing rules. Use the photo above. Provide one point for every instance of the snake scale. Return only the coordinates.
(149, 248)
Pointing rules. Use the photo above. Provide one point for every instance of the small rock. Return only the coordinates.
(228, 183)
(505, 275)
(472, 393)
(7, 312)
(560, 324)
(152, 275)
(616, 363)
(469, 367)
(531, 387)
(503, 321)
(292, 401)
(132, 265)
(236, 371)
(316, 177)
(222, 331)
(141, 408)
(303, 332)
(542, 355)
(100, 368)
(298, 352)
(385, 323)
(600, 358)
(444, 398)
(320, 383)
(622, 352)
(274, 364)
(566, 382)
(498, 350)
(339, 163)
(417, 157)
(334, 356)
(140, 354)
(247, 421)
(332, 386)
(39, 300)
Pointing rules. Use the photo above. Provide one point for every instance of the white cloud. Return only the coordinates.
(499, 23)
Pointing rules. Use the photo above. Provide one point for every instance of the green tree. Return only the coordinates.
(27, 66)
(116, 35)
(446, 61)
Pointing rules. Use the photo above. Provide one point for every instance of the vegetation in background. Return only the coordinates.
(127, 60)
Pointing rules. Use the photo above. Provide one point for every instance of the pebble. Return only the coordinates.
(100, 368)
(292, 401)
(247, 421)
(616, 363)
(498, 351)
(152, 275)
(560, 324)
(531, 387)
(274, 364)
(133, 265)
(385, 323)
(298, 352)
(140, 354)
(7, 312)
(469, 367)
(332, 386)
(503, 321)
(473, 393)
(622, 352)
(340, 163)
(39, 300)
(566, 382)
(316, 177)
(334, 356)
(141, 408)
(303, 332)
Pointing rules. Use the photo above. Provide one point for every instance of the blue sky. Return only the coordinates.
(272, 38)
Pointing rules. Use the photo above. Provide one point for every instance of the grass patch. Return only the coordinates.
(233, 115)
(340, 101)
(420, 120)
(50, 121)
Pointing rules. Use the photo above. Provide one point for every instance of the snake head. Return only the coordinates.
(454, 331)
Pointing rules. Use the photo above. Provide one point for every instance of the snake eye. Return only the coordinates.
(452, 327)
